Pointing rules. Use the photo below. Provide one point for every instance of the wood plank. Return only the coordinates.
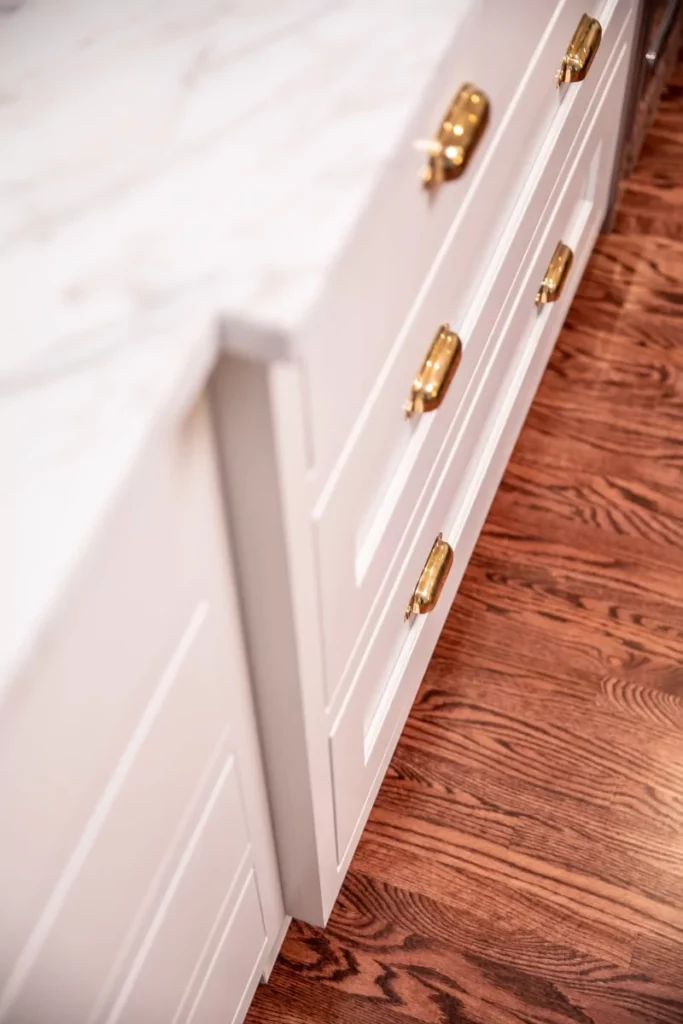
(539, 863)
(655, 707)
(558, 501)
(397, 947)
(468, 890)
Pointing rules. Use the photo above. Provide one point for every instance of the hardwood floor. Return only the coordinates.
(524, 860)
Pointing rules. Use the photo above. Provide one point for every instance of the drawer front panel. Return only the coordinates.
(131, 786)
(230, 972)
(70, 718)
(180, 929)
(372, 715)
(204, 911)
(113, 886)
(364, 520)
(512, 52)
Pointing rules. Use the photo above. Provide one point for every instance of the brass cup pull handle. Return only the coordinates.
(432, 579)
(555, 276)
(456, 136)
(581, 51)
(436, 373)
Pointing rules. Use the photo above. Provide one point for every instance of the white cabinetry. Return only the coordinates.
(336, 499)
(138, 879)
(256, 215)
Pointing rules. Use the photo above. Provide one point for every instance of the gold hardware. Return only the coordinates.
(556, 274)
(432, 579)
(580, 52)
(431, 384)
(458, 134)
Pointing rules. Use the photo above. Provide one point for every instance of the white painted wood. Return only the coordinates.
(274, 952)
(373, 713)
(259, 415)
(235, 957)
(512, 52)
(81, 696)
(367, 514)
(131, 789)
(192, 923)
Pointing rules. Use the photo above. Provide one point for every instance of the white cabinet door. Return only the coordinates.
(138, 879)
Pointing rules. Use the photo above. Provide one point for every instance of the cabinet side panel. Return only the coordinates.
(251, 473)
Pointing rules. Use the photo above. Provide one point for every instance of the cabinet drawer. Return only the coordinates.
(365, 516)
(72, 713)
(512, 52)
(460, 488)
(131, 788)
(218, 995)
(212, 909)
(184, 927)
(111, 896)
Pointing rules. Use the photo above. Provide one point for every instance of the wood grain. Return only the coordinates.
(524, 859)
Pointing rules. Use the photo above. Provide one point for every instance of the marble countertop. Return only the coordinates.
(168, 169)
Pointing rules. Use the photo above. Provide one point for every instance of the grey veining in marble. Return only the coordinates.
(157, 149)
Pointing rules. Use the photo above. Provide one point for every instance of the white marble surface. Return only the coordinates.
(167, 165)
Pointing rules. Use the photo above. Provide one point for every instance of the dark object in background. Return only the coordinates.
(655, 52)
(656, 58)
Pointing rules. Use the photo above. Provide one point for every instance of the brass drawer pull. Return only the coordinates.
(457, 136)
(555, 275)
(432, 579)
(431, 383)
(580, 52)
